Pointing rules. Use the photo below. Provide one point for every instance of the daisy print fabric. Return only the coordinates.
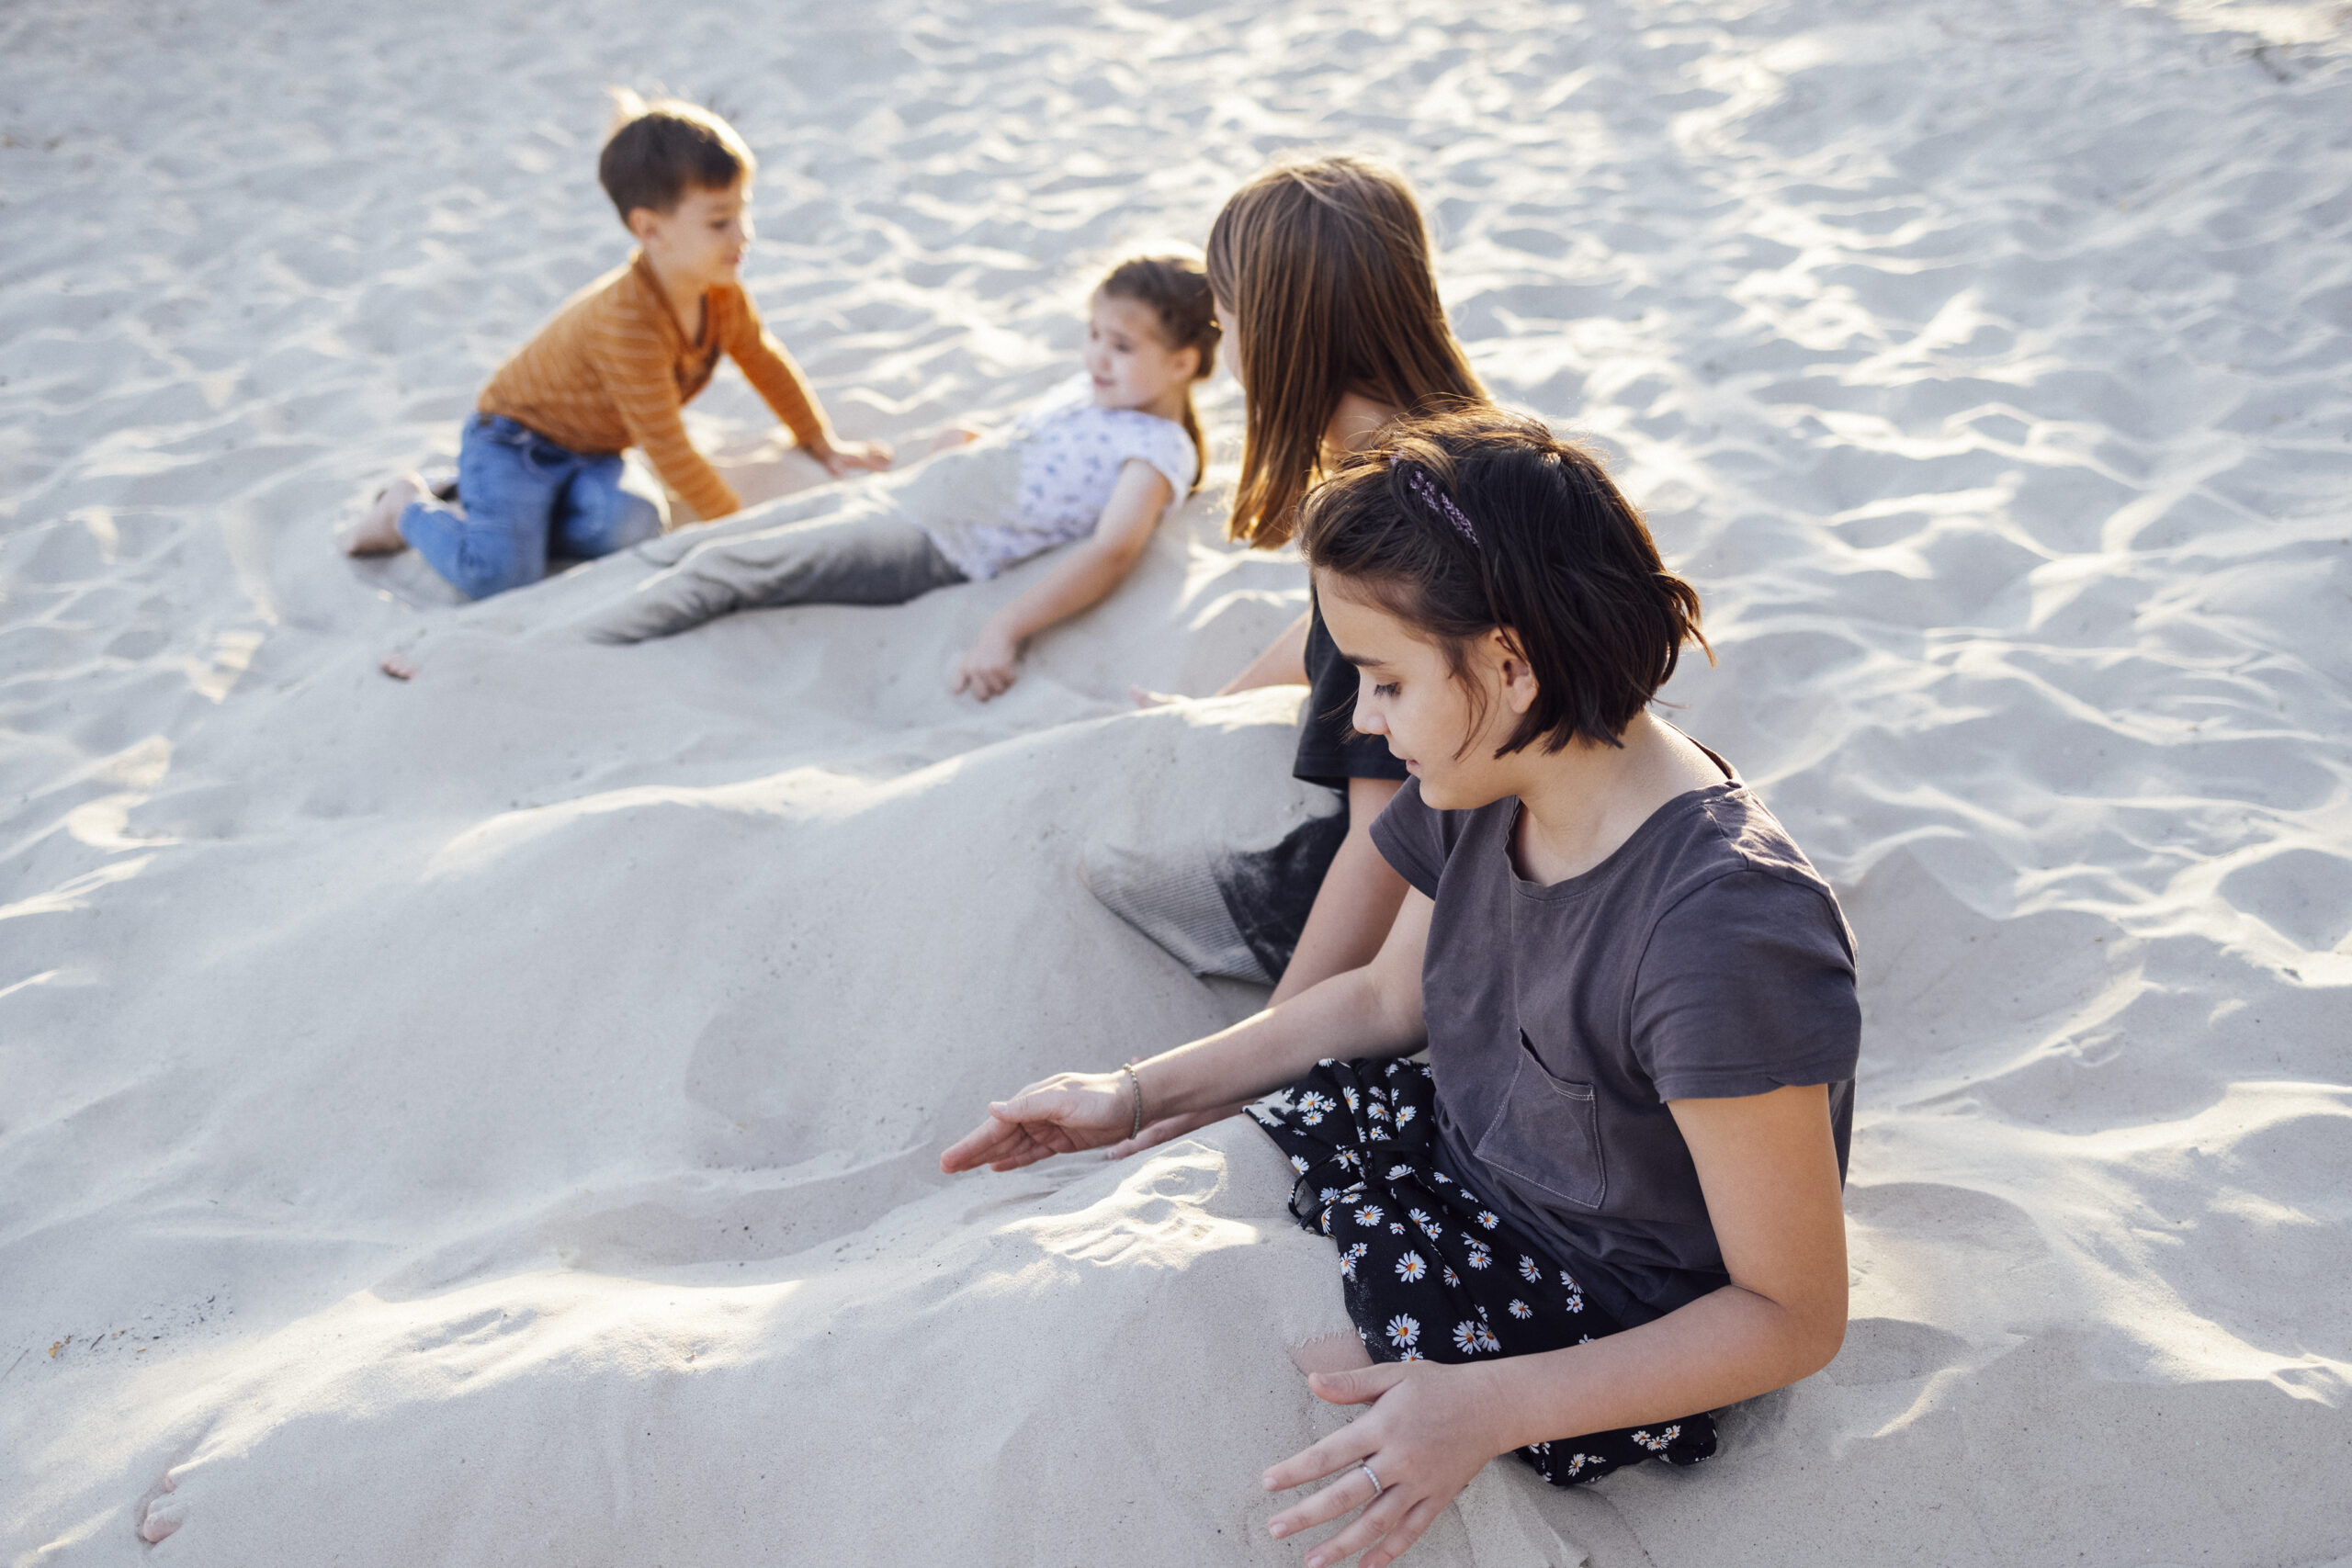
(1428, 1271)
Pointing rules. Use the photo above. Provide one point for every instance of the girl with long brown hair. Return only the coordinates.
(1320, 268)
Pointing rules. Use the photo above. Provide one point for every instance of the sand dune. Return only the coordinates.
(492, 1118)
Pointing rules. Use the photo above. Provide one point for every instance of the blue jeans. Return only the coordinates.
(522, 498)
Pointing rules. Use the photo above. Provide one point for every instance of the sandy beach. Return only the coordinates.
(493, 1118)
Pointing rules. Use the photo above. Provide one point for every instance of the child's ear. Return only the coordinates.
(642, 222)
(1520, 684)
(1191, 370)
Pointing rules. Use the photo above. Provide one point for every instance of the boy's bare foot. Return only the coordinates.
(378, 532)
(1144, 697)
(163, 1515)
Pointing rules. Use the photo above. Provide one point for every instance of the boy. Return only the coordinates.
(539, 467)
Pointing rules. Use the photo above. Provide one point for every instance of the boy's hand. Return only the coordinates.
(1424, 1440)
(988, 667)
(873, 456)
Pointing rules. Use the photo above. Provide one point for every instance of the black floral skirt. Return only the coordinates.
(1428, 1271)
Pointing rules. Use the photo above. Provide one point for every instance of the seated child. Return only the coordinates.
(1098, 459)
(540, 471)
(1608, 1202)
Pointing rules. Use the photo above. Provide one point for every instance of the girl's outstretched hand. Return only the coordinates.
(1424, 1437)
(1065, 1113)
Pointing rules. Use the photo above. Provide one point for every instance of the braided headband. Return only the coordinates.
(1436, 500)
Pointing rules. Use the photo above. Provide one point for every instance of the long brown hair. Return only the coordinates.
(1177, 292)
(1325, 265)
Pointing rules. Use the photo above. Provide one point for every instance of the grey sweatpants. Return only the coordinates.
(856, 542)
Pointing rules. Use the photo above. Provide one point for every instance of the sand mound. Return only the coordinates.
(491, 1119)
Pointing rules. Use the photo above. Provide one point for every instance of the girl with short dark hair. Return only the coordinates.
(1608, 1201)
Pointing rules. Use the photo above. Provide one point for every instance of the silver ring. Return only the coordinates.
(1376, 1488)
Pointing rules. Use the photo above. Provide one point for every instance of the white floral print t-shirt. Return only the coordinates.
(1070, 452)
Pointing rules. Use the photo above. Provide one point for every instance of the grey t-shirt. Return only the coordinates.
(1706, 958)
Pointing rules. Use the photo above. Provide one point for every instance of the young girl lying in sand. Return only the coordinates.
(1099, 460)
(1610, 1202)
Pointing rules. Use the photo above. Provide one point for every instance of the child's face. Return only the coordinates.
(699, 243)
(1407, 695)
(1131, 366)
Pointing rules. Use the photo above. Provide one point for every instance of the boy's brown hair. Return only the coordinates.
(655, 151)
(1177, 292)
(1325, 265)
(1465, 522)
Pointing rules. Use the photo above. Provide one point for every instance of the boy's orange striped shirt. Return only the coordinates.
(614, 369)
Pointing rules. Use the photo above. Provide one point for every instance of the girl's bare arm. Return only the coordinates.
(1088, 572)
(1353, 913)
(1372, 1011)
(1357, 903)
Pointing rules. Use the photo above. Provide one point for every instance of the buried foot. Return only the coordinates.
(163, 1515)
(378, 532)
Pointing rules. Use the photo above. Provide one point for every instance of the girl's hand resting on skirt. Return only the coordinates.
(1424, 1436)
(1065, 1113)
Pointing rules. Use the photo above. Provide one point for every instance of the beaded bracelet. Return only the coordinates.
(1129, 1068)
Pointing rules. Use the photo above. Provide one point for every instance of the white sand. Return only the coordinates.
(491, 1120)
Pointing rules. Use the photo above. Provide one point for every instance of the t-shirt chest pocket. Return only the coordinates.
(1546, 1135)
